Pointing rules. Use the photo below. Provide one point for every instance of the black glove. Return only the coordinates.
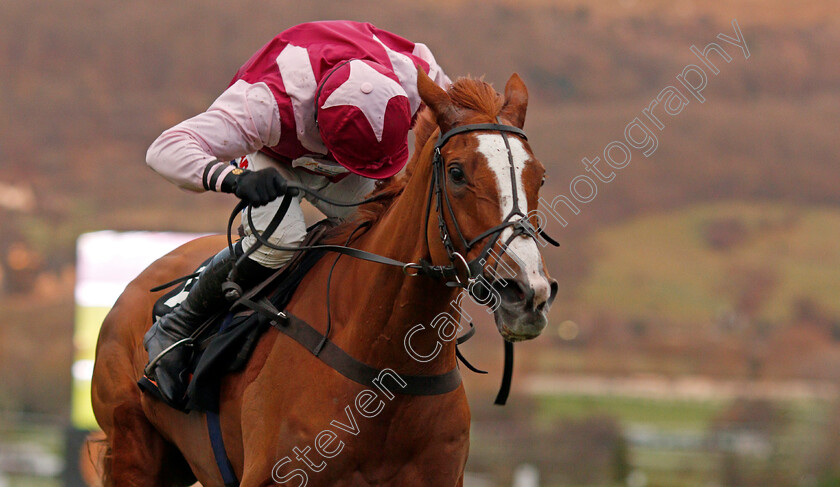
(257, 188)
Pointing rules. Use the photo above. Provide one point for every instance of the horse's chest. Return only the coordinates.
(416, 441)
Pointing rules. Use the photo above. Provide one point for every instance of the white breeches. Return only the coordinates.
(292, 229)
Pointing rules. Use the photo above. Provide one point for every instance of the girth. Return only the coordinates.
(459, 272)
(459, 269)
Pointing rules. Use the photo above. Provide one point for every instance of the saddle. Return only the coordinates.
(227, 340)
(233, 335)
(226, 343)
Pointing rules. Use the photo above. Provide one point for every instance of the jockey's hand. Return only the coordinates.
(257, 188)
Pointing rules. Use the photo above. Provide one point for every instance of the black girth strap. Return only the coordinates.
(344, 364)
(333, 356)
(458, 268)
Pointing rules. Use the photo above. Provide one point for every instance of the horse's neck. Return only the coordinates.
(379, 304)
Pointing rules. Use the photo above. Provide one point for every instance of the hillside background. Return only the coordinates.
(715, 259)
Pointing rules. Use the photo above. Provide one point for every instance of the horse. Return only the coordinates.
(285, 401)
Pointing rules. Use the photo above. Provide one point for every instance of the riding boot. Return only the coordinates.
(205, 298)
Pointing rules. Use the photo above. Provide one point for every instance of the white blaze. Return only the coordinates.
(522, 250)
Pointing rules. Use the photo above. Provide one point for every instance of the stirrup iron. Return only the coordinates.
(150, 367)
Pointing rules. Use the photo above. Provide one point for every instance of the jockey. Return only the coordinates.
(326, 104)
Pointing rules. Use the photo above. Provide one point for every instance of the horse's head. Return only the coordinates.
(489, 181)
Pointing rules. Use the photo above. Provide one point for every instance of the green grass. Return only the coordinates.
(661, 266)
(671, 415)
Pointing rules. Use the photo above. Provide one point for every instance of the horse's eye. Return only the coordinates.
(542, 183)
(456, 175)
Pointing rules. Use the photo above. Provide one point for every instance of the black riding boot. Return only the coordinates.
(205, 298)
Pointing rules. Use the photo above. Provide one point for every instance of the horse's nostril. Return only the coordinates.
(519, 294)
(554, 288)
(511, 291)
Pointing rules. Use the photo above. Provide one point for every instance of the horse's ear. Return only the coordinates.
(516, 101)
(437, 100)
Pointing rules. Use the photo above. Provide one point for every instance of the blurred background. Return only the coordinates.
(696, 338)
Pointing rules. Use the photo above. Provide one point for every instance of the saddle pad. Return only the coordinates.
(231, 346)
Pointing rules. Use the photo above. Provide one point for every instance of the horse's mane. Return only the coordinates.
(465, 93)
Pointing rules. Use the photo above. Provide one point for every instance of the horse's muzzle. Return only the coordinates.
(523, 307)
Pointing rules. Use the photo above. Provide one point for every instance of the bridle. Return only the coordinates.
(459, 272)
(466, 272)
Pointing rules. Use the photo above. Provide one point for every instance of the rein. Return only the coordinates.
(458, 264)
(459, 272)
(464, 272)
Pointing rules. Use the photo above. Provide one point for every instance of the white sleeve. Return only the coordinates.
(435, 71)
(194, 154)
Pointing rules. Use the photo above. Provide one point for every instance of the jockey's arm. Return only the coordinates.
(194, 154)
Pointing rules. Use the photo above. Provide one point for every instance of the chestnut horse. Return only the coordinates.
(285, 402)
